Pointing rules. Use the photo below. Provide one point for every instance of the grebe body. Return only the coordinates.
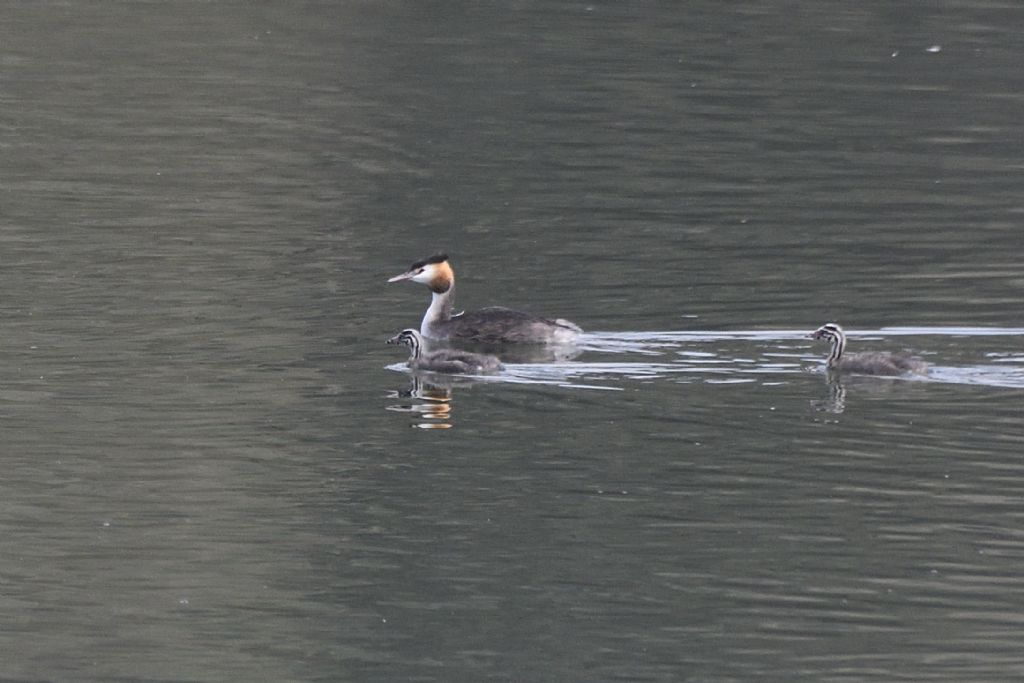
(494, 325)
(452, 361)
(867, 363)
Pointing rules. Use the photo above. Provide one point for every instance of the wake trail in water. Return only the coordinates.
(763, 356)
(656, 342)
(725, 355)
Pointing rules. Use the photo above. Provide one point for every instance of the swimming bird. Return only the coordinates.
(868, 363)
(492, 325)
(444, 360)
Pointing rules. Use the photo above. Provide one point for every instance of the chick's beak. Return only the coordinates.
(393, 340)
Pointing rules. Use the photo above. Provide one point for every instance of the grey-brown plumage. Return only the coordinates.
(499, 325)
(866, 363)
(494, 325)
(451, 361)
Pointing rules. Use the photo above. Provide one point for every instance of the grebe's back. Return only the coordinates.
(499, 325)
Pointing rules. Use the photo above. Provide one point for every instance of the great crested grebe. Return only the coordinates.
(491, 325)
(444, 360)
(869, 363)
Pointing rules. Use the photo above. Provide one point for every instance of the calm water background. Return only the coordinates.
(212, 467)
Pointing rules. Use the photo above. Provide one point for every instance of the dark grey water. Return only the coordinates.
(214, 469)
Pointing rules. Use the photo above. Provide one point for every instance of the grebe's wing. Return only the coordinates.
(499, 325)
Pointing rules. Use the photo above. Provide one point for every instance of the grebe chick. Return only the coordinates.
(444, 360)
(869, 363)
(492, 325)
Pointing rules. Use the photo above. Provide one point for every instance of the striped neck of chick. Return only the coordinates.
(413, 340)
(836, 338)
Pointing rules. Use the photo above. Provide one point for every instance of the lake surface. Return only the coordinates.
(215, 470)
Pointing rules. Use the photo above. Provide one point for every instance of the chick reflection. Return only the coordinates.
(433, 402)
(436, 392)
(835, 402)
(864, 388)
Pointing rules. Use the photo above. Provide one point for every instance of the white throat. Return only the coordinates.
(439, 312)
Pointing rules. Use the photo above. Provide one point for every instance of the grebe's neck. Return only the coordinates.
(838, 341)
(440, 310)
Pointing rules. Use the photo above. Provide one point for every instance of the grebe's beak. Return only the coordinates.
(814, 335)
(393, 340)
(407, 275)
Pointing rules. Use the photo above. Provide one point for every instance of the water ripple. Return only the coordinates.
(752, 355)
(727, 356)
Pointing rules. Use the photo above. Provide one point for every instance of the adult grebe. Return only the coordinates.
(870, 363)
(444, 360)
(492, 325)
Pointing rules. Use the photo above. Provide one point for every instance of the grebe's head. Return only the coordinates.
(434, 272)
(830, 331)
(410, 338)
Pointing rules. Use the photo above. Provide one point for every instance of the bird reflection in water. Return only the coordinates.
(433, 401)
(864, 388)
(835, 402)
(432, 391)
